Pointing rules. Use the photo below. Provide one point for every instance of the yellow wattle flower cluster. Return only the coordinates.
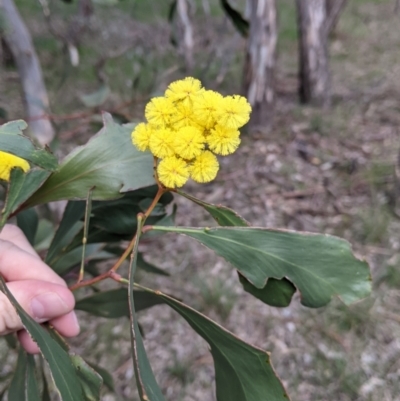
(187, 127)
(8, 162)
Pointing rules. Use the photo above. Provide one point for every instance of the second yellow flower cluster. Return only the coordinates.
(187, 127)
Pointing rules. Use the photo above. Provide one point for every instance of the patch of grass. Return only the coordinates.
(287, 22)
(180, 369)
(216, 295)
(320, 125)
(373, 223)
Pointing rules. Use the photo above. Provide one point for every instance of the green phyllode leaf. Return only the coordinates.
(28, 222)
(146, 382)
(242, 372)
(114, 303)
(60, 365)
(108, 162)
(223, 215)
(276, 293)
(24, 386)
(320, 266)
(111, 221)
(20, 188)
(89, 379)
(13, 141)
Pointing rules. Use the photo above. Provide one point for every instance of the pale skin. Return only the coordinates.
(37, 288)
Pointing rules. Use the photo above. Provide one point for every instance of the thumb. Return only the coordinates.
(42, 300)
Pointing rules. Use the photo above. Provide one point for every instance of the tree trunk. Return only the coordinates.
(187, 42)
(334, 9)
(20, 43)
(314, 74)
(259, 69)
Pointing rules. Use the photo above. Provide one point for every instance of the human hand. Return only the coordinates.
(37, 288)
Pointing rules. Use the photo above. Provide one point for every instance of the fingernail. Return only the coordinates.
(48, 305)
(75, 322)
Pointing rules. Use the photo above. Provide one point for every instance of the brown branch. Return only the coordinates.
(34, 91)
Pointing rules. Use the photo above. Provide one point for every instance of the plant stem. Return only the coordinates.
(111, 273)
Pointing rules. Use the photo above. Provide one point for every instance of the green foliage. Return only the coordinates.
(320, 266)
(111, 196)
(108, 164)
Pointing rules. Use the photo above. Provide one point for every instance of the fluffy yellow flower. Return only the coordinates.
(205, 108)
(141, 136)
(233, 111)
(8, 162)
(223, 141)
(205, 167)
(183, 90)
(173, 172)
(159, 111)
(184, 116)
(189, 142)
(161, 143)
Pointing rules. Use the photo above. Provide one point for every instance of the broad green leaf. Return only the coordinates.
(108, 162)
(96, 98)
(32, 390)
(23, 386)
(45, 389)
(90, 380)
(71, 259)
(11, 340)
(222, 215)
(320, 266)
(69, 226)
(20, 188)
(105, 374)
(28, 222)
(114, 303)
(277, 293)
(60, 365)
(237, 19)
(44, 235)
(12, 141)
(16, 390)
(148, 267)
(146, 382)
(242, 372)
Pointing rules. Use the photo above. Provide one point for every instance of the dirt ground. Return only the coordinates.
(333, 171)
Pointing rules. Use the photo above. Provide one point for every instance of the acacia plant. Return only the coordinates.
(118, 192)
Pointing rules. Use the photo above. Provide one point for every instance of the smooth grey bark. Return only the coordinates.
(187, 39)
(34, 91)
(259, 69)
(314, 74)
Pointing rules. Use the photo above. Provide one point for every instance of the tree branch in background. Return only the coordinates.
(188, 42)
(36, 100)
(334, 9)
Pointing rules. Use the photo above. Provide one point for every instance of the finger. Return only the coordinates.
(17, 264)
(27, 342)
(40, 299)
(66, 325)
(15, 235)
